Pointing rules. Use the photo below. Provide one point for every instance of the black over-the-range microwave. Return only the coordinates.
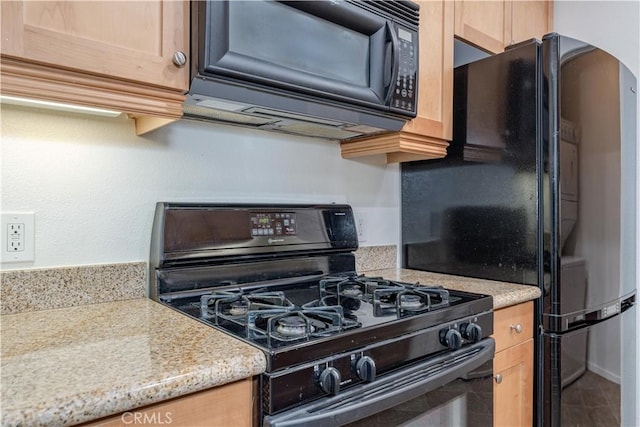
(334, 69)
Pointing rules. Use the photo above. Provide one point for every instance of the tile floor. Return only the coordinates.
(591, 401)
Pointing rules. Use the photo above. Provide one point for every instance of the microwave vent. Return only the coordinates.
(285, 115)
(194, 111)
(312, 129)
(406, 12)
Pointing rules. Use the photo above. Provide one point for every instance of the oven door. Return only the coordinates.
(455, 388)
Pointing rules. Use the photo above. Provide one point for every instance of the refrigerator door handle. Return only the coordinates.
(578, 320)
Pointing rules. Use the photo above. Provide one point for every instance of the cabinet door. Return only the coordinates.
(529, 19)
(127, 40)
(435, 94)
(481, 23)
(513, 386)
(227, 405)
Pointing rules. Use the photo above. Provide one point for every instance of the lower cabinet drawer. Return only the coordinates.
(513, 325)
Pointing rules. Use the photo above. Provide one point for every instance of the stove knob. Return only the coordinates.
(451, 338)
(329, 380)
(472, 332)
(366, 369)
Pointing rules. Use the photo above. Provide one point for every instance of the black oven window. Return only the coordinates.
(464, 402)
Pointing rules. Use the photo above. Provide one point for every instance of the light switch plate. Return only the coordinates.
(17, 231)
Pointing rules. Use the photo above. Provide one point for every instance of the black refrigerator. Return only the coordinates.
(539, 188)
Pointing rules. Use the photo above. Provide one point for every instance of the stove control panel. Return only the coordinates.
(330, 376)
(456, 335)
(273, 224)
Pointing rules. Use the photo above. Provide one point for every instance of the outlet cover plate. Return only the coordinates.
(361, 226)
(27, 225)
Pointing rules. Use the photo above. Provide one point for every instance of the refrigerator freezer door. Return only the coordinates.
(582, 386)
(574, 356)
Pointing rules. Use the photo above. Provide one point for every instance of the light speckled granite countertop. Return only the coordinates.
(69, 365)
(504, 294)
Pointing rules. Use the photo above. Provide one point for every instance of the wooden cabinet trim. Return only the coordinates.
(35, 81)
(419, 146)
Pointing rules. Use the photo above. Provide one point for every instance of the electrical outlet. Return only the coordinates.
(17, 237)
(361, 226)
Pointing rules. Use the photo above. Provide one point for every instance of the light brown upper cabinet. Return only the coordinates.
(124, 56)
(530, 19)
(494, 25)
(426, 136)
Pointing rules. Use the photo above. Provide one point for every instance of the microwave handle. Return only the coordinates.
(391, 64)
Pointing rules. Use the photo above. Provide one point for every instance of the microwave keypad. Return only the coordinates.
(404, 95)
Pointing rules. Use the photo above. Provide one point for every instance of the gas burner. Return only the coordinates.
(411, 302)
(210, 303)
(238, 308)
(292, 326)
(351, 291)
(279, 326)
(353, 286)
(417, 299)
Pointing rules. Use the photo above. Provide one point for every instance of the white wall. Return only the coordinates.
(93, 184)
(614, 27)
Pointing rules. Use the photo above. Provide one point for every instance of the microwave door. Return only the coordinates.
(331, 51)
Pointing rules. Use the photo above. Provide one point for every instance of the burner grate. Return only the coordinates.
(234, 304)
(386, 296)
(272, 317)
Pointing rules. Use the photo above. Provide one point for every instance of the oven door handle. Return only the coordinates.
(389, 390)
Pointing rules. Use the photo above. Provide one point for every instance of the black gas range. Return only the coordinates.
(282, 278)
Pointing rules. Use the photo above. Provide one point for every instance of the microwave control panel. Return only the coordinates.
(404, 94)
